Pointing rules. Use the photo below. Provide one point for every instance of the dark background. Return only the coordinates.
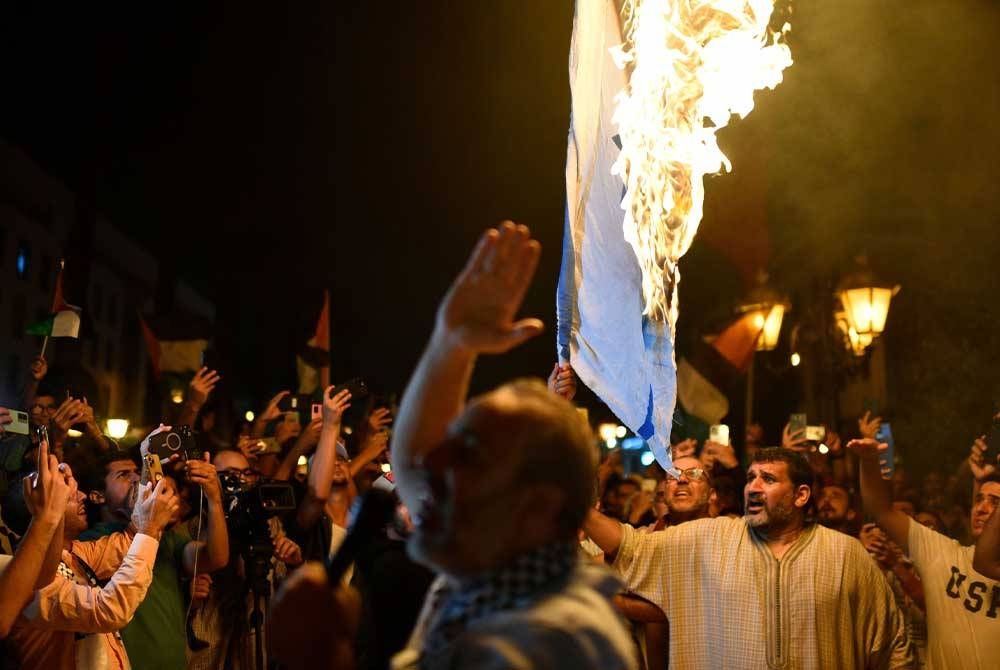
(268, 151)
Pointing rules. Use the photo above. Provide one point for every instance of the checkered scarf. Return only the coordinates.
(515, 586)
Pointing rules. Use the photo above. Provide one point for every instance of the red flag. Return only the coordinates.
(321, 340)
(152, 345)
(59, 303)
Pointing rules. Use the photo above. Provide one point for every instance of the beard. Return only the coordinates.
(771, 516)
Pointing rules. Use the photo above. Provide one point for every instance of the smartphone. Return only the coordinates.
(19, 422)
(317, 411)
(719, 433)
(797, 423)
(267, 445)
(357, 387)
(888, 457)
(992, 437)
(153, 468)
(292, 403)
(815, 433)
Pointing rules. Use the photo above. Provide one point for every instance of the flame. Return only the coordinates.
(692, 65)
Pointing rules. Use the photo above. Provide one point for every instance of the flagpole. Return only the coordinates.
(62, 266)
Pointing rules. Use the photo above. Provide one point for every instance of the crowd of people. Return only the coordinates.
(515, 544)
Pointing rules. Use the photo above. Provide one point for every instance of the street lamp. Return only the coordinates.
(117, 428)
(768, 307)
(866, 301)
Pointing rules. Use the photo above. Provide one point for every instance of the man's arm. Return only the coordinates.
(986, 560)
(604, 531)
(68, 606)
(32, 565)
(306, 442)
(875, 492)
(39, 368)
(475, 317)
(93, 431)
(212, 554)
(321, 472)
(201, 386)
(270, 413)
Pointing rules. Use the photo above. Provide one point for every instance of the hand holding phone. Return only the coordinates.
(719, 433)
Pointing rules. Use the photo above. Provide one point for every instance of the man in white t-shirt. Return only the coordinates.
(963, 606)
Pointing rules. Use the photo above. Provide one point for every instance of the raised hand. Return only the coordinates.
(144, 445)
(202, 384)
(562, 381)
(39, 368)
(271, 411)
(47, 491)
(477, 314)
(868, 446)
(5, 418)
(334, 408)
(380, 419)
(977, 460)
(309, 437)
(723, 454)
(203, 474)
(868, 425)
(795, 441)
(68, 414)
(154, 508)
(684, 448)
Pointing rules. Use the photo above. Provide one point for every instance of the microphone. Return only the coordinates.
(377, 509)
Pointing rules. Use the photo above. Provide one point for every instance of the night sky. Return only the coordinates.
(269, 151)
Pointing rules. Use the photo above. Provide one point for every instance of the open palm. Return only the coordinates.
(478, 312)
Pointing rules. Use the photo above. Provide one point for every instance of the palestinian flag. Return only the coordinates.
(65, 318)
(315, 355)
(714, 368)
(175, 344)
(65, 323)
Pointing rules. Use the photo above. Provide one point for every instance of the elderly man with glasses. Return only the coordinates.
(771, 589)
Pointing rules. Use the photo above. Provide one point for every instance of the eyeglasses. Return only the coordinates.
(242, 474)
(693, 474)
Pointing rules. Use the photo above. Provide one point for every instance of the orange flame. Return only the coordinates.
(692, 64)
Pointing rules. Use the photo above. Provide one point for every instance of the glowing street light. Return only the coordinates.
(117, 428)
(866, 301)
(768, 307)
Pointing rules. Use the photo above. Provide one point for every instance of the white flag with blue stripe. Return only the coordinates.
(624, 357)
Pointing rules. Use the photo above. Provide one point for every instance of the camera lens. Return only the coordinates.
(173, 441)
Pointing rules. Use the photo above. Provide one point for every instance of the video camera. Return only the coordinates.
(248, 509)
(175, 442)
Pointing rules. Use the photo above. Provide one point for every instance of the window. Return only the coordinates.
(18, 313)
(45, 272)
(23, 261)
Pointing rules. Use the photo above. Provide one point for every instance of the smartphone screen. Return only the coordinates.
(888, 458)
(797, 423)
(719, 433)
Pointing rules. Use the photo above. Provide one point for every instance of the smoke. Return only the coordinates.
(883, 141)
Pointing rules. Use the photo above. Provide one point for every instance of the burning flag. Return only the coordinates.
(650, 89)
